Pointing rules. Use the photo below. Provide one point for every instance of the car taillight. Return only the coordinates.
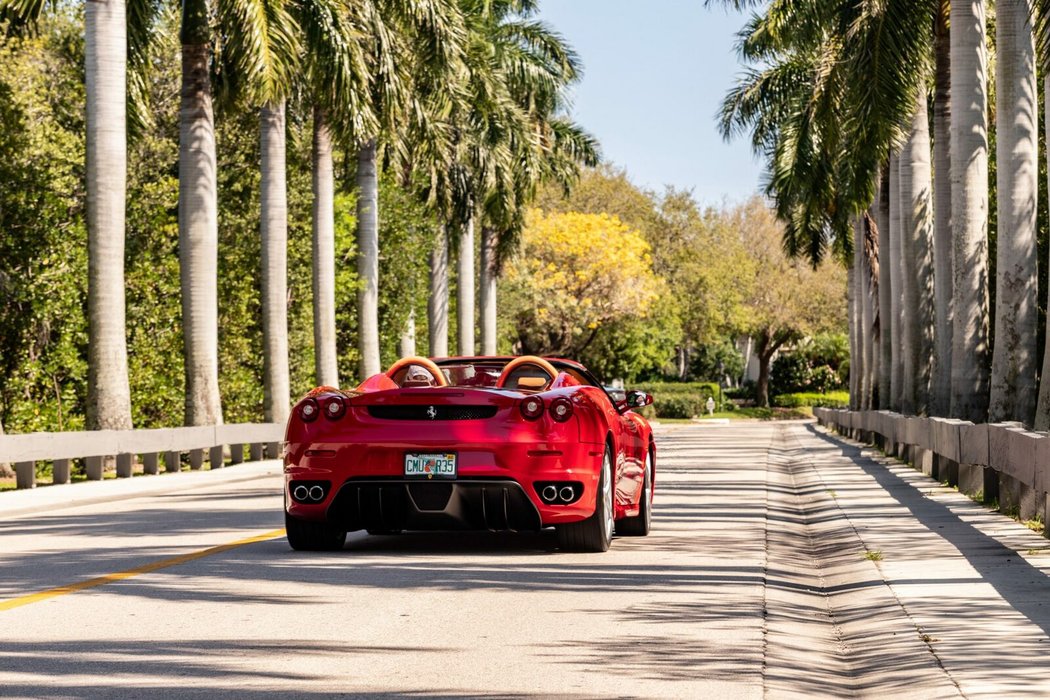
(335, 408)
(561, 409)
(309, 410)
(531, 407)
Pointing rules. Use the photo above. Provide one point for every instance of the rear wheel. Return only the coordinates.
(595, 533)
(639, 525)
(310, 536)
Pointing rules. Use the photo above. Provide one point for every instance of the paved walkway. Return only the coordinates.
(783, 563)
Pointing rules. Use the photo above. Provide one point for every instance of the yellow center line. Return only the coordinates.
(129, 573)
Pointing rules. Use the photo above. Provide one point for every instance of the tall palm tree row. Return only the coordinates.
(824, 106)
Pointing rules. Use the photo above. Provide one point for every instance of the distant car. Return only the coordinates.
(470, 443)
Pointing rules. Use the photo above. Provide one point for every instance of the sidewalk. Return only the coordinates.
(972, 584)
(46, 498)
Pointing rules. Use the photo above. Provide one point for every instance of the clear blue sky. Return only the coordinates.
(655, 72)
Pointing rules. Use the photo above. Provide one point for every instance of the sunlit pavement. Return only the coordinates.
(782, 562)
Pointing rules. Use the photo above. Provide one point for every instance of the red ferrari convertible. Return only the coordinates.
(496, 443)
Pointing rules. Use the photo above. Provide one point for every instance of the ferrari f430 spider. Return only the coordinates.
(470, 443)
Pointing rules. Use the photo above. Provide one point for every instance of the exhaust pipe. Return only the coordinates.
(316, 493)
(301, 493)
(567, 493)
(550, 492)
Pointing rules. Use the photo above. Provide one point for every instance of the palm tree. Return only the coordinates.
(969, 147)
(273, 205)
(326, 370)
(198, 219)
(916, 262)
(368, 258)
(115, 40)
(885, 296)
(1042, 415)
(940, 390)
(1014, 360)
(895, 310)
(412, 41)
(437, 303)
(109, 394)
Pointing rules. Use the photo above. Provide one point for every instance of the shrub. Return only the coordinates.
(790, 373)
(824, 379)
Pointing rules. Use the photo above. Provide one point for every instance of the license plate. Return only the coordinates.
(430, 466)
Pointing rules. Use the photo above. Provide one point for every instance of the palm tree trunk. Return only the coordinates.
(917, 262)
(437, 304)
(940, 390)
(1042, 413)
(109, 395)
(487, 291)
(969, 147)
(368, 259)
(407, 346)
(893, 263)
(870, 349)
(273, 206)
(855, 363)
(864, 333)
(885, 292)
(326, 363)
(465, 290)
(1017, 132)
(198, 221)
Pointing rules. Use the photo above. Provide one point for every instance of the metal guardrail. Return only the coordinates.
(1000, 462)
(95, 446)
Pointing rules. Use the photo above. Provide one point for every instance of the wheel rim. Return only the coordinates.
(607, 498)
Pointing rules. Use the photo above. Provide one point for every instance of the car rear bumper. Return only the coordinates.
(384, 504)
(496, 488)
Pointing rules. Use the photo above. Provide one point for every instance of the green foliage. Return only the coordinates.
(43, 247)
(717, 360)
(43, 243)
(834, 399)
(790, 373)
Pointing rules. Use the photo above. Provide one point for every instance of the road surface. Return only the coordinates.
(783, 563)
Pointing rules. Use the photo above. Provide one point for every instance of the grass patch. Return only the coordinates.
(873, 555)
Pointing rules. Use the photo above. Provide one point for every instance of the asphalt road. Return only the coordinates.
(782, 563)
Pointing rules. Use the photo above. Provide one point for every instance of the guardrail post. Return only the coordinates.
(236, 454)
(273, 450)
(255, 451)
(125, 462)
(25, 475)
(215, 457)
(172, 461)
(196, 459)
(60, 471)
(150, 463)
(93, 467)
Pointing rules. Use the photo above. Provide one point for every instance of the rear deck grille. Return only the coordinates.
(432, 413)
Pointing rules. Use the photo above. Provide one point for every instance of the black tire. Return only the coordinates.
(639, 525)
(310, 536)
(595, 533)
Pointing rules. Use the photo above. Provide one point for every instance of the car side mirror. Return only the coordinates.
(637, 399)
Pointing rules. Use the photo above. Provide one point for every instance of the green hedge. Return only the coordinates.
(832, 399)
(677, 399)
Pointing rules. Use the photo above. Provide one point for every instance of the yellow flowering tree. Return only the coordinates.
(575, 275)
